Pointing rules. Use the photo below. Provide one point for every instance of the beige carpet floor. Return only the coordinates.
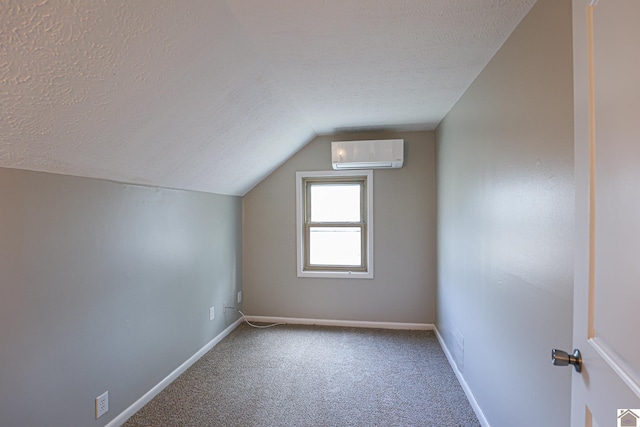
(315, 376)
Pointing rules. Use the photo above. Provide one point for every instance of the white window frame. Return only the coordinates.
(300, 224)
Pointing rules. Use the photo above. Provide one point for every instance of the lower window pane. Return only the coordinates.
(339, 246)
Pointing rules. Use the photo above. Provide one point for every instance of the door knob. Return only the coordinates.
(562, 358)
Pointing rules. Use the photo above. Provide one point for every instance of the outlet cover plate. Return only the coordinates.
(239, 297)
(212, 313)
(102, 404)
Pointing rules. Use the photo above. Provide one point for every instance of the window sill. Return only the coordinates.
(337, 274)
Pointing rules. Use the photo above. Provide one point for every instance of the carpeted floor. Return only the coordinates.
(315, 376)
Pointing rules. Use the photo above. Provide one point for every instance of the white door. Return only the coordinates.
(607, 274)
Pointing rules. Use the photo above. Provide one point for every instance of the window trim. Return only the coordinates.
(301, 250)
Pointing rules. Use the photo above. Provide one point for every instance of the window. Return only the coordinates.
(334, 225)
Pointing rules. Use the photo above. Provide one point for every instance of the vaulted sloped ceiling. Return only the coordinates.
(213, 95)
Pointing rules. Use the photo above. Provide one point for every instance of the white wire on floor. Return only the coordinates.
(258, 326)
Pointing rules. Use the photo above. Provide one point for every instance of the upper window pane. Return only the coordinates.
(335, 202)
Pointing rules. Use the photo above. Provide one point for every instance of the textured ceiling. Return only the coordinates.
(213, 95)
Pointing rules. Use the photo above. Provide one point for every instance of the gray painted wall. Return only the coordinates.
(506, 210)
(403, 289)
(105, 286)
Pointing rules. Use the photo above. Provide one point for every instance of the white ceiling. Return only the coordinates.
(213, 95)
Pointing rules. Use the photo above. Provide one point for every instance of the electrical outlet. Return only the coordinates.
(212, 313)
(102, 404)
(239, 297)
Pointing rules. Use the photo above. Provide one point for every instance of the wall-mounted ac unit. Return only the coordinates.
(373, 154)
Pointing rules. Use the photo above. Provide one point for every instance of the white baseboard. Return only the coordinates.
(463, 383)
(146, 398)
(343, 323)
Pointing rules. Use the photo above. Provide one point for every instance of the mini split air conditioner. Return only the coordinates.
(373, 154)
